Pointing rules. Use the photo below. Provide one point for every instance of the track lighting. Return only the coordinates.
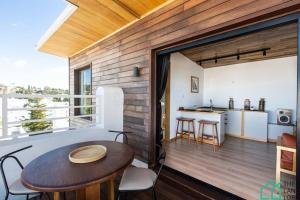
(237, 55)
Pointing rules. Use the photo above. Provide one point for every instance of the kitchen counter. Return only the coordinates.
(205, 114)
(203, 111)
(235, 122)
(216, 111)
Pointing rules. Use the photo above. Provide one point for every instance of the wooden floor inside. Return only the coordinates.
(239, 166)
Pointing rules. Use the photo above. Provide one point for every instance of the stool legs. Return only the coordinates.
(194, 130)
(213, 136)
(202, 133)
(181, 135)
(217, 135)
(198, 135)
(189, 132)
(177, 131)
(190, 129)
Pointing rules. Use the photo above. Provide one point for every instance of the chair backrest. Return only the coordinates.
(123, 133)
(160, 160)
(5, 158)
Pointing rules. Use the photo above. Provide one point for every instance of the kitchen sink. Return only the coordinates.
(205, 110)
(213, 108)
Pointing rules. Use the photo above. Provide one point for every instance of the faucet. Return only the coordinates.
(211, 104)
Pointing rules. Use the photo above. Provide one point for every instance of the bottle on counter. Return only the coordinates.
(247, 104)
(231, 103)
(261, 106)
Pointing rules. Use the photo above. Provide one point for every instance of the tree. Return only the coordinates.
(38, 114)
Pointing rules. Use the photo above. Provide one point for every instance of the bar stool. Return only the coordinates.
(214, 134)
(189, 121)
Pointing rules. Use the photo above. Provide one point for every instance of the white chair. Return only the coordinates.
(140, 179)
(16, 188)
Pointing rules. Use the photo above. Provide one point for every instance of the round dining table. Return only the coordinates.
(53, 172)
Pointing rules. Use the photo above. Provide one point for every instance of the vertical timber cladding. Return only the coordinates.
(114, 58)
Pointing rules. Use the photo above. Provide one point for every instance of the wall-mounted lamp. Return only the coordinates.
(136, 72)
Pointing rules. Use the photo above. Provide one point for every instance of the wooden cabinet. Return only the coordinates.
(234, 122)
(255, 125)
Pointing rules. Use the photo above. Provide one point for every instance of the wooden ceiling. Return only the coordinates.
(282, 42)
(94, 20)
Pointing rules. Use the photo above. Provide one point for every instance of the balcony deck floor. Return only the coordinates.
(240, 166)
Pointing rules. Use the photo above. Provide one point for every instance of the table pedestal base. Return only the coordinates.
(92, 192)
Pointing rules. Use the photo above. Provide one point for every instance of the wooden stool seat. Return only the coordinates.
(214, 134)
(208, 122)
(189, 121)
(185, 119)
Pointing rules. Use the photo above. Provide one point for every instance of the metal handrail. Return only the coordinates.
(6, 124)
(51, 108)
(30, 96)
(51, 119)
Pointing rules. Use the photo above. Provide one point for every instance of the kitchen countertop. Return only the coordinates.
(215, 111)
(202, 111)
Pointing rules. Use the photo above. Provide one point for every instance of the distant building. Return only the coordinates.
(7, 89)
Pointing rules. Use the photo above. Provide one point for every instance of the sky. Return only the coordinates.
(22, 24)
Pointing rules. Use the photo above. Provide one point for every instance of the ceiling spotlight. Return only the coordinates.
(264, 53)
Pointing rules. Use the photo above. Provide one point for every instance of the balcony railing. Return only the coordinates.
(62, 114)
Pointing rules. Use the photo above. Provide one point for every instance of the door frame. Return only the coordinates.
(260, 26)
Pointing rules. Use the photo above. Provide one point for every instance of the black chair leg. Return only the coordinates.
(118, 195)
(27, 197)
(48, 196)
(41, 196)
(154, 194)
(65, 196)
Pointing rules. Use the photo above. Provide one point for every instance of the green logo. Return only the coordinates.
(271, 191)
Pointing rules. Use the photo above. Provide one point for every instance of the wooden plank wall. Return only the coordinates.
(114, 58)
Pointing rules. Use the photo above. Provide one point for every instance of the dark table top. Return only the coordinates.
(53, 171)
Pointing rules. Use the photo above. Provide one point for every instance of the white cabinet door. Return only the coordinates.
(234, 121)
(256, 125)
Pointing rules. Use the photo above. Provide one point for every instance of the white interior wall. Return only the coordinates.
(182, 69)
(275, 80)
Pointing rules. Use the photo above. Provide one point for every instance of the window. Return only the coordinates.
(83, 86)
